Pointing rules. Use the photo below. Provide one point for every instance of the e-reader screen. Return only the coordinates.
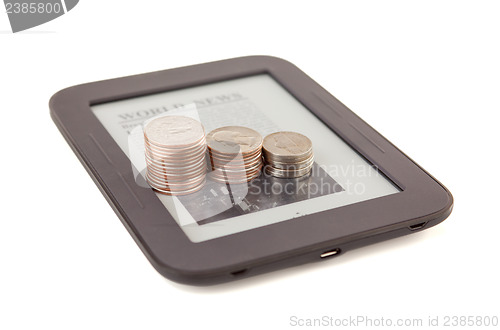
(339, 175)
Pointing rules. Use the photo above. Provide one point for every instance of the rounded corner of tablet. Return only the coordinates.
(59, 97)
(447, 204)
(442, 206)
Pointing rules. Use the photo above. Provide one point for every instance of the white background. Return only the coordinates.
(425, 74)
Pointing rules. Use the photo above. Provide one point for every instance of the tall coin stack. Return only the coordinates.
(287, 154)
(235, 154)
(175, 149)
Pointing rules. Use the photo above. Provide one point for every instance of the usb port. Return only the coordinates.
(417, 226)
(330, 253)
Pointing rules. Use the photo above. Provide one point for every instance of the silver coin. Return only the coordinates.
(218, 164)
(183, 184)
(287, 146)
(239, 169)
(285, 160)
(235, 154)
(180, 176)
(174, 186)
(159, 167)
(175, 192)
(230, 140)
(169, 162)
(287, 174)
(174, 131)
(178, 152)
(287, 154)
(175, 154)
(292, 166)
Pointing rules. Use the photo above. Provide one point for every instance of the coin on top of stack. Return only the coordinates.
(235, 154)
(175, 150)
(287, 154)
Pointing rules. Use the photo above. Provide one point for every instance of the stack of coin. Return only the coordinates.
(235, 154)
(175, 148)
(287, 154)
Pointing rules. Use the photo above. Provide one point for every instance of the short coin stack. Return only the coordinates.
(235, 154)
(175, 148)
(287, 154)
